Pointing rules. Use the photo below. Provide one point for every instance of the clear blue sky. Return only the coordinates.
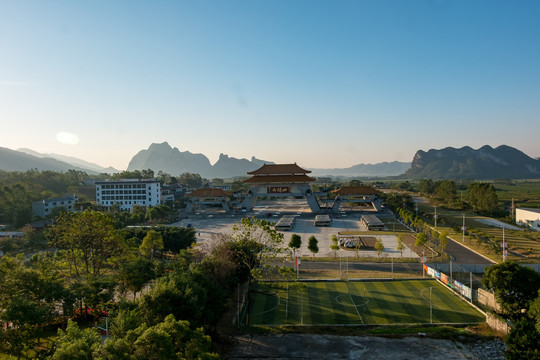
(320, 83)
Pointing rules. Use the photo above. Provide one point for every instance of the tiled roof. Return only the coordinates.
(279, 179)
(209, 192)
(356, 190)
(279, 169)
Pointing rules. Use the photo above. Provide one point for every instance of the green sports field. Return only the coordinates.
(359, 302)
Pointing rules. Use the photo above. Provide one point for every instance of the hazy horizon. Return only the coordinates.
(323, 84)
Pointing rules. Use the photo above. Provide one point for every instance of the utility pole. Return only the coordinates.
(471, 288)
(430, 307)
(463, 228)
(504, 247)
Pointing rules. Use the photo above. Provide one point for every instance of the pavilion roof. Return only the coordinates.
(209, 192)
(279, 179)
(356, 190)
(279, 169)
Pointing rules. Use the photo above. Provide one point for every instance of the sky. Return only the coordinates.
(325, 84)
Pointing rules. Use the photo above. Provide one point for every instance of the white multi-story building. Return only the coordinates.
(44, 207)
(528, 217)
(128, 192)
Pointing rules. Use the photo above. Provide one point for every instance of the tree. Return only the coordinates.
(421, 239)
(425, 187)
(190, 180)
(263, 244)
(523, 342)
(334, 246)
(400, 246)
(133, 275)
(379, 246)
(75, 343)
(152, 241)
(443, 240)
(88, 240)
(313, 245)
(482, 197)
(514, 286)
(295, 243)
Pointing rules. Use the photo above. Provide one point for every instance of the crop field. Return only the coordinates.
(359, 303)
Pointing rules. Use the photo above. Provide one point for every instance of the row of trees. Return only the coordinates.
(480, 196)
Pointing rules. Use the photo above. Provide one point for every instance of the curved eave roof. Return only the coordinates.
(356, 190)
(279, 169)
(279, 179)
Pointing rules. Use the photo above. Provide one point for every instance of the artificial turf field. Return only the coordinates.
(359, 302)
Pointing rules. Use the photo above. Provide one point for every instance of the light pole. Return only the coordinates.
(504, 247)
(463, 228)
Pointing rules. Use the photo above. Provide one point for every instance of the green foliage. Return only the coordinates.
(426, 187)
(400, 245)
(136, 174)
(75, 343)
(334, 246)
(313, 245)
(379, 246)
(133, 275)
(445, 191)
(152, 241)
(421, 239)
(515, 286)
(482, 197)
(88, 240)
(190, 180)
(19, 189)
(443, 240)
(262, 244)
(523, 342)
(295, 242)
(175, 238)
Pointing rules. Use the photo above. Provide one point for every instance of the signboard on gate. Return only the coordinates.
(278, 189)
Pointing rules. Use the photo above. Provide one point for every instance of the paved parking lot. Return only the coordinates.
(209, 225)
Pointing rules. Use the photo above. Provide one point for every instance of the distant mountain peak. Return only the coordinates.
(485, 163)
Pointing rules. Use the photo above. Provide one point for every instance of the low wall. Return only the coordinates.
(474, 268)
(488, 299)
(497, 324)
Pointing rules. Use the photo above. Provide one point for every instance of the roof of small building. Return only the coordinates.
(530, 209)
(356, 190)
(279, 179)
(279, 169)
(209, 192)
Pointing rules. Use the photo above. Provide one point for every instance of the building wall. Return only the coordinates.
(529, 218)
(44, 207)
(128, 193)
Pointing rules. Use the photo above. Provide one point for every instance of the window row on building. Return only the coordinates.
(148, 193)
(121, 192)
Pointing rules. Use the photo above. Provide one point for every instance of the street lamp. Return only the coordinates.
(463, 228)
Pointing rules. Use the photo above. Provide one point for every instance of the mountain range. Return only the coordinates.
(448, 163)
(12, 160)
(502, 162)
(173, 161)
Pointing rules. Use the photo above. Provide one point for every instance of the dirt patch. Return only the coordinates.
(296, 346)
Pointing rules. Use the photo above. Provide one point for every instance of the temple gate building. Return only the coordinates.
(280, 180)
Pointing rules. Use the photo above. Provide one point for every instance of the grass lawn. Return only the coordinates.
(523, 244)
(357, 303)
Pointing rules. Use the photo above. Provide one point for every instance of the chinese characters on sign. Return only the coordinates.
(278, 190)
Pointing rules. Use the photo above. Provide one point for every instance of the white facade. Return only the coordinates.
(128, 192)
(528, 217)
